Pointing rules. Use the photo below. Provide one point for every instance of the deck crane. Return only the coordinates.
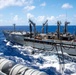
(65, 28)
(58, 30)
(45, 23)
(31, 23)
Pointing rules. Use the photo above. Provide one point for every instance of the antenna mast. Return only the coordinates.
(66, 16)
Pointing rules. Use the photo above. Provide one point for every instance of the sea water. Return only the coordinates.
(43, 61)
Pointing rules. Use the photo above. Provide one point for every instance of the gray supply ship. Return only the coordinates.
(65, 41)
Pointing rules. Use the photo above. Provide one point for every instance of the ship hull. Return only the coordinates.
(69, 49)
(51, 45)
(14, 38)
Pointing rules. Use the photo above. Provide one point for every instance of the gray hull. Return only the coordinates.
(15, 38)
(67, 46)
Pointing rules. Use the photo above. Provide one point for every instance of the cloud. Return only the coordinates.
(62, 16)
(51, 18)
(29, 15)
(7, 3)
(67, 6)
(40, 18)
(16, 18)
(54, 19)
(28, 8)
(43, 4)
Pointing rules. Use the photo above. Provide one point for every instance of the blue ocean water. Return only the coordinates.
(52, 28)
(16, 55)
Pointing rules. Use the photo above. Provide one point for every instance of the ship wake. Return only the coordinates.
(41, 60)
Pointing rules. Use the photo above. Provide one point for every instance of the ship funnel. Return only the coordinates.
(58, 30)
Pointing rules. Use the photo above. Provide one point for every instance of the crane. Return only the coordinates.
(58, 30)
(65, 28)
(45, 23)
(31, 23)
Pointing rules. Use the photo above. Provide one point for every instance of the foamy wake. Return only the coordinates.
(42, 61)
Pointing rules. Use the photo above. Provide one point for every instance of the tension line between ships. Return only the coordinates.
(64, 42)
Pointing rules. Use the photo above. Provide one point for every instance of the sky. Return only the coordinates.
(20, 11)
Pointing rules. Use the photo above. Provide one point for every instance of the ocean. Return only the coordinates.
(43, 61)
(52, 28)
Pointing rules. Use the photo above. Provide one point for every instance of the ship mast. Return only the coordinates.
(66, 23)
